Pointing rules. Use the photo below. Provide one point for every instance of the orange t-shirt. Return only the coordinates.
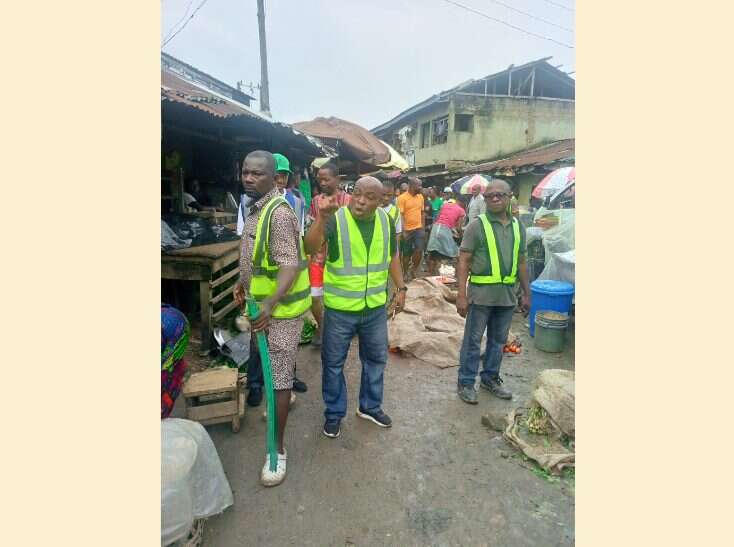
(411, 207)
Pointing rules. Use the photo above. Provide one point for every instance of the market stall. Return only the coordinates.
(206, 132)
(215, 268)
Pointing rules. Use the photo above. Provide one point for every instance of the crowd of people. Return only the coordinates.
(344, 257)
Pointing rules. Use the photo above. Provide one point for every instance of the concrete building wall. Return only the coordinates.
(523, 186)
(503, 125)
(499, 126)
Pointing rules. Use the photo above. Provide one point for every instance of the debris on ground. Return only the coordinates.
(495, 420)
(428, 328)
(545, 431)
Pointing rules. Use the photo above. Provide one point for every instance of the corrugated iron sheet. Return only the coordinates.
(174, 88)
(177, 89)
(543, 155)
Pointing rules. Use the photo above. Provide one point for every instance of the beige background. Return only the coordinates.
(81, 285)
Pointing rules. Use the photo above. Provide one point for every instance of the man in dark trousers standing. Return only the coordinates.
(492, 258)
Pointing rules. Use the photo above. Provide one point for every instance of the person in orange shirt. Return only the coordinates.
(414, 235)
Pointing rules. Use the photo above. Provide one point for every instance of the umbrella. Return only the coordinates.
(396, 160)
(355, 140)
(465, 184)
(554, 181)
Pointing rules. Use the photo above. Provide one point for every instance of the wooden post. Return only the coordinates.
(206, 313)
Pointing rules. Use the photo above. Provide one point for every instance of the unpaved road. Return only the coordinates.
(437, 477)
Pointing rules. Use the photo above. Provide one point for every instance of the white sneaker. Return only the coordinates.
(274, 478)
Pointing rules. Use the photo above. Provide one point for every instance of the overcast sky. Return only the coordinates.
(364, 61)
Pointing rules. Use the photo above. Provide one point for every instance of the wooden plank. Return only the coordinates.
(224, 261)
(206, 315)
(224, 311)
(184, 272)
(222, 295)
(223, 420)
(229, 275)
(225, 409)
(216, 380)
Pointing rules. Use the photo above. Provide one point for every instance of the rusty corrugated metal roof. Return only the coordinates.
(542, 155)
(179, 90)
(175, 88)
(563, 150)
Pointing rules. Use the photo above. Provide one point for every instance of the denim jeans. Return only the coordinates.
(496, 321)
(338, 330)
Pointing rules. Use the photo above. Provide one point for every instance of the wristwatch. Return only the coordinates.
(404, 289)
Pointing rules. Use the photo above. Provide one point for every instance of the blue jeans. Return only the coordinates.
(338, 330)
(496, 321)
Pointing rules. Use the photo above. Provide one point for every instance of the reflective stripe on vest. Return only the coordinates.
(358, 278)
(495, 264)
(393, 213)
(264, 273)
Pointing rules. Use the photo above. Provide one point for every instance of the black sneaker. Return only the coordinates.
(299, 386)
(468, 394)
(332, 428)
(377, 417)
(494, 386)
(255, 396)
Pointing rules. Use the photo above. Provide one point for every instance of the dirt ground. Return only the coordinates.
(437, 477)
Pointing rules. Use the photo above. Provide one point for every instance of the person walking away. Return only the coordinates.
(411, 208)
(441, 244)
(362, 252)
(477, 205)
(273, 270)
(492, 258)
(328, 178)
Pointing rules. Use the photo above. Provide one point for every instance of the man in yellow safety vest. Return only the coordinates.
(274, 271)
(361, 253)
(492, 258)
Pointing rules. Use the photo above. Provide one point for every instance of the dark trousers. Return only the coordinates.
(496, 321)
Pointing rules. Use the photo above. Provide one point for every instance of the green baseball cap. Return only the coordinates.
(282, 163)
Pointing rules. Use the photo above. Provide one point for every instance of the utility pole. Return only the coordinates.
(264, 87)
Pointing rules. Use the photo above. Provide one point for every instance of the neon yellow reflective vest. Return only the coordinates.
(393, 213)
(358, 278)
(495, 275)
(265, 273)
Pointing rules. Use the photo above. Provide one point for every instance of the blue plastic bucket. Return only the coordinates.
(549, 295)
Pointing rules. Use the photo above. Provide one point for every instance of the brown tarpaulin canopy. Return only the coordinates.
(358, 141)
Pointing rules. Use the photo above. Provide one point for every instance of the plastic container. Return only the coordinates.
(549, 295)
(550, 331)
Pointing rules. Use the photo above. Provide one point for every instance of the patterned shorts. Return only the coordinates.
(283, 338)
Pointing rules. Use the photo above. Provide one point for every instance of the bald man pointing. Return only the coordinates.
(361, 254)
